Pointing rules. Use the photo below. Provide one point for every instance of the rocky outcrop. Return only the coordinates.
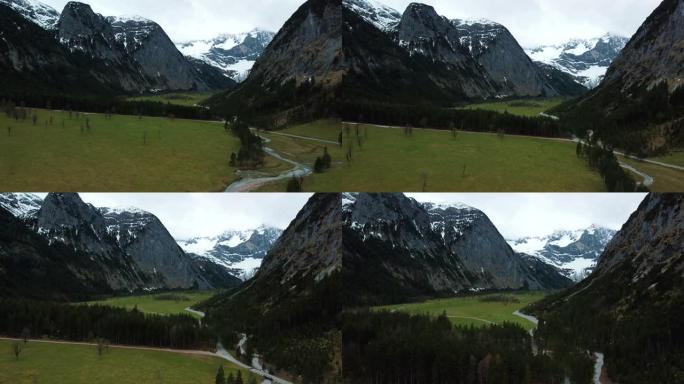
(469, 233)
(41, 14)
(66, 219)
(145, 239)
(21, 205)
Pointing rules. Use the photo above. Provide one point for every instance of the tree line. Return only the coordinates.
(108, 106)
(91, 322)
(251, 152)
(383, 347)
(431, 116)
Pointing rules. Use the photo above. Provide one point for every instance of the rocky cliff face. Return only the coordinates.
(66, 219)
(495, 48)
(161, 62)
(391, 253)
(32, 267)
(653, 55)
(145, 239)
(469, 233)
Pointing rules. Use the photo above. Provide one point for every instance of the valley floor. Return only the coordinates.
(57, 363)
(159, 303)
(122, 153)
(431, 160)
(474, 310)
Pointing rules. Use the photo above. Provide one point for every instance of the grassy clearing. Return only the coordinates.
(120, 154)
(186, 99)
(159, 303)
(522, 107)
(75, 364)
(675, 158)
(666, 179)
(472, 310)
(471, 162)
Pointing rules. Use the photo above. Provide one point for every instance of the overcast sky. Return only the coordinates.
(533, 22)
(519, 215)
(188, 215)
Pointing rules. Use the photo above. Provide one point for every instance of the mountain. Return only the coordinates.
(234, 54)
(495, 48)
(32, 267)
(574, 253)
(130, 248)
(41, 14)
(632, 304)
(397, 249)
(639, 106)
(468, 232)
(355, 50)
(20, 205)
(159, 58)
(144, 238)
(587, 60)
(102, 55)
(392, 254)
(32, 61)
(65, 218)
(241, 252)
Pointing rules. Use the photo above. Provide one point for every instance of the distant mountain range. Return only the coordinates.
(587, 60)
(574, 253)
(241, 252)
(79, 49)
(235, 54)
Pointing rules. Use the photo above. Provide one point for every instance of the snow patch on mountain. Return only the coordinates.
(39, 13)
(234, 54)
(20, 205)
(381, 16)
(575, 253)
(585, 59)
(241, 252)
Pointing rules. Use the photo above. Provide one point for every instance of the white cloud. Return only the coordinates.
(533, 22)
(538, 214)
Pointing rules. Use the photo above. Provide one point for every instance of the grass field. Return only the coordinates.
(151, 303)
(187, 99)
(120, 154)
(43, 363)
(675, 157)
(522, 107)
(471, 162)
(471, 311)
(666, 179)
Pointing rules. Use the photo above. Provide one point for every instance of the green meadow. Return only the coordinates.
(94, 153)
(476, 310)
(187, 99)
(521, 107)
(47, 363)
(159, 303)
(432, 160)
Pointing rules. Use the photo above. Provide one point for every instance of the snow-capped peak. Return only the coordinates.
(128, 18)
(20, 204)
(39, 13)
(381, 16)
(123, 209)
(475, 21)
(446, 206)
